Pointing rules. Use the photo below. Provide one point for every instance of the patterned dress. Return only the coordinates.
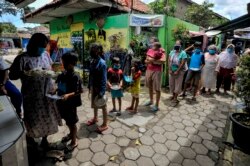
(40, 114)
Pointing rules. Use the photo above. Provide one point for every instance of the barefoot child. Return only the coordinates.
(70, 88)
(97, 84)
(135, 87)
(115, 78)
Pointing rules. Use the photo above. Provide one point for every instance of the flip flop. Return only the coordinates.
(70, 148)
(91, 122)
(66, 138)
(148, 103)
(101, 129)
(129, 109)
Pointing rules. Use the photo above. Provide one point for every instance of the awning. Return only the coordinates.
(21, 3)
(241, 22)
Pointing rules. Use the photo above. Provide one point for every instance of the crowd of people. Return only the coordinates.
(42, 116)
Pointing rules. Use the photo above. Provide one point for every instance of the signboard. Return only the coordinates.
(144, 20)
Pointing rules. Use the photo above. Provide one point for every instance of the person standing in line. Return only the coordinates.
(209, 73)
(153, 78)
(194, 73)
(226, 68)
(177, 68)
(97, 85)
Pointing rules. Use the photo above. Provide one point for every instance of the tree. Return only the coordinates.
(7, 28)
(167, 7)
(202, 15)
(7, 8)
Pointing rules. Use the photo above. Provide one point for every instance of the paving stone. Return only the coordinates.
(159, 138)
(167, 121)
(95, 136)
(170, 136)
(160, 123)
(179, 125)
(131, 153)
(83, 143)
(220, 130)
(201, 127)
(142, 130)
(128, 163)
(221, 116)
(72, 162)
(196, 121)
(191, 130)
(174, 164)
(183, 141)
(147, 140)
(160, 148)
(205, 135)
(215, 133)
(172, 145)
(202, 114)
(126, 128)
(174, 157)
(187, 152)
(87, 164)
(188, 123)
(199, 148)
(123, 141)
(111, 164)
(181, 133)
(185, 117)
(115, 125)
(97, 146)
(112, 149)
(132, 134)
(176, 118)
(108, 131)
(219, 124)
(146, 151)
(213, 155)
(108, 139)
(144, 161)
(194, 116)
(188, 162)
(204, 160)
(100, 158)
(150, 132)
(169, 127)
(84, 155)
(175, 113)
(158, 130)
(160, 160)
(210, 125)
(213, 117)
(119, 132)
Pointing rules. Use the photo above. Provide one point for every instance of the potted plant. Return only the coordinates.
(241, 121)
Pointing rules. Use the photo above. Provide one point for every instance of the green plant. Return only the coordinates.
(139, 46)
(180, 32)
(115, 40)
(243, 80)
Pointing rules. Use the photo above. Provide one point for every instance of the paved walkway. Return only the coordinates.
(189, 135)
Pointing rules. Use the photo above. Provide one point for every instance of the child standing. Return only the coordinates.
(70, 88)
(115, 79)
(135, 87)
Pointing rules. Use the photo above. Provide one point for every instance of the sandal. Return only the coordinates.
(132, 112)
(91, 122)
(101, 129)
(66, 138)
(129, 109)
(148, 103)
(70, 148)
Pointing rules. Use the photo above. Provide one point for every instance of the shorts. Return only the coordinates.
(135, 95)
(116, 93)
(68, 113)
(153, 80)
(194, 76)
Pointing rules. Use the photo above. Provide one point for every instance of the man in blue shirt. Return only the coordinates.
(194, 73)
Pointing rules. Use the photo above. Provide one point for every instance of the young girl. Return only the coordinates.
(135, 87)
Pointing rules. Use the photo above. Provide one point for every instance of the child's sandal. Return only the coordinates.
(91, 122)
(101, 129)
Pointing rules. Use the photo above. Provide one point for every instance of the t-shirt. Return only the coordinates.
(3, 64)
(135, 88)
(115, 76)
(69, 82)
(155, 67)
(197, 60)
(176, 60)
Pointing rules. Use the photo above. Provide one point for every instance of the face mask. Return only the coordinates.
(41, 50)
(211, 52)
(177, 47)
(197, 50)
(230, 50)
(116, 67)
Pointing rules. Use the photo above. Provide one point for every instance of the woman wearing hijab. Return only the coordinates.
(209, 73)
(226, 67)
(40, 115)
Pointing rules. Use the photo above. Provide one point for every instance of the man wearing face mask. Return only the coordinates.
(226, 68)
(194, 72)
(177, 68)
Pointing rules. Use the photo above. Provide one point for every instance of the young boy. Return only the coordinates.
(115, 79)
(97, 84)
(70, 88)
(135, 87)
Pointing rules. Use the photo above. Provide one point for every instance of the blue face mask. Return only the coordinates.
(230, 50)
(211, 52)
(197, 50)
(41, 50)
(116, 67)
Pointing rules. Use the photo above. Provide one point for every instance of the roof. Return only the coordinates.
(21, 3)
(241, 22)
(60, 8)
